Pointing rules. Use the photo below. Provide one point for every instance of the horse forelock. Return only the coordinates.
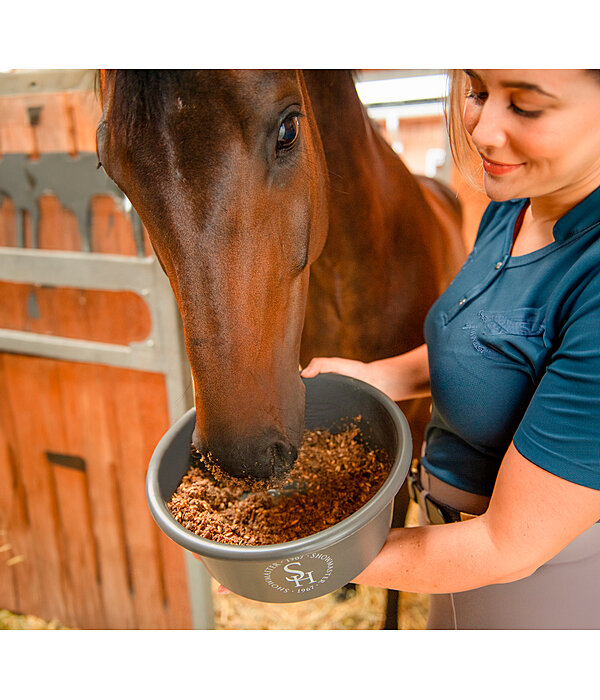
(139, 95)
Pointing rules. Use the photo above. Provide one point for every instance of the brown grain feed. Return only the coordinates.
(334, 475)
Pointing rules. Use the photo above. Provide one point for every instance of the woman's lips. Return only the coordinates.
(493, 168)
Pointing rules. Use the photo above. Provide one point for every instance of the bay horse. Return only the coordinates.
(249, 181)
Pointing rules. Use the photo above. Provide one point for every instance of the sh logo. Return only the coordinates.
(297, 575)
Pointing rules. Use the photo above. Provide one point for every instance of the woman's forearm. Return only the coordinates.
(404, 376)
(441, 559)
(533, 515)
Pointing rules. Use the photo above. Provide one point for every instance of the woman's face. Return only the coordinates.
(537, 131)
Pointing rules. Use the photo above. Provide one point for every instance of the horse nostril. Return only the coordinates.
(280, 457)
(261, 462)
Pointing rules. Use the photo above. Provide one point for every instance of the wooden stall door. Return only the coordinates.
(75, 443)
(77, 541)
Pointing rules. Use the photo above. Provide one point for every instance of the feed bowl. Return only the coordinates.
(311, 566)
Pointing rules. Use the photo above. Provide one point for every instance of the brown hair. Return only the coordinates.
(462, 148)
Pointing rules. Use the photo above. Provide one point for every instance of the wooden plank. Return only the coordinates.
(87, 408)
(80, 556)
(69, 108)
(178, 610)
(174, 573)
(52, 134)
(16, 135)
(8, 230)
(67, 123)
(58, 228)
(13, 306)
(87, 113)
(111, 229)
(132, 435)
(159, 578)
(20, 583)
(104, 316)
(64, 311)
(28, 389)
(10, 517)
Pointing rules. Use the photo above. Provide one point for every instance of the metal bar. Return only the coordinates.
(405, 103)
(35, 82)
(199, 584)
(75, 269)
(135, 356)
(168, 336)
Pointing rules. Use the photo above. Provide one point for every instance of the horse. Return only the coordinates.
(250, 183)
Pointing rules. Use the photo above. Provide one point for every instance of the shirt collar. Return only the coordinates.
(580, 217)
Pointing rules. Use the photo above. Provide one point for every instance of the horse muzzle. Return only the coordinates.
(259, 458)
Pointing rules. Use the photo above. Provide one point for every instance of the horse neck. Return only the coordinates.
(342, 120)
(364, 172)
(373, 195)
(379, 221)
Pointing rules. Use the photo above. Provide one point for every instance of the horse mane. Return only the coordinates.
(139, 96)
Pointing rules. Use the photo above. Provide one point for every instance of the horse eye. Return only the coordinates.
(288, 133)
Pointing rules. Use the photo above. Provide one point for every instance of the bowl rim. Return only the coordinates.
(305, 545)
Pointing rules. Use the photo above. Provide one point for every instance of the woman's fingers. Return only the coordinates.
(311, 369)
(321, 364)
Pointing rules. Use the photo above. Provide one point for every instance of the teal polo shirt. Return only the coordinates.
(514, 354)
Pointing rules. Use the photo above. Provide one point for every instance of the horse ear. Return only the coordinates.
(100, 83)
(320, 213)
(104, 82)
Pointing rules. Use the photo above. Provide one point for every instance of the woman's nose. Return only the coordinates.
(488, 129)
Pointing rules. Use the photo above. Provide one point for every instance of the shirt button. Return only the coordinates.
(461, 302)
(498, 265)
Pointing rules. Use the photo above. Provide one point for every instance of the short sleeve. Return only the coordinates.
(560, 431)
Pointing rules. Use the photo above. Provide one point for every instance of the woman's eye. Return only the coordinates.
(288, 132)
(478, 97)
(528, 113)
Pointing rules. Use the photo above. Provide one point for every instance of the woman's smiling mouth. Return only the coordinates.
(494, 168)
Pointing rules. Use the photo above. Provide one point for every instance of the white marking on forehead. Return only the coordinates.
(179, 103)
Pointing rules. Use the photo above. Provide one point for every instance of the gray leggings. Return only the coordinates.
(564, 593)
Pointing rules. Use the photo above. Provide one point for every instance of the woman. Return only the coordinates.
(512, 361)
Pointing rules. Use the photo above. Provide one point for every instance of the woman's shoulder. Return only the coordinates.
(576, 296)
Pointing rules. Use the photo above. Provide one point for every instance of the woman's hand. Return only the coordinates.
(373, 373)
(402, 377)
(339, 365)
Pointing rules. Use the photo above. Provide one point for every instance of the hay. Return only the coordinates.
(363, 609)
(13, 621)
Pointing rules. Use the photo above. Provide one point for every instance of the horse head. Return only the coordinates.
(227, 172)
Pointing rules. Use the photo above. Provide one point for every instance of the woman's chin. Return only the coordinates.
(499, 191)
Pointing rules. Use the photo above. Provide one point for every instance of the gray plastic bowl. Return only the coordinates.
(312, 566)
